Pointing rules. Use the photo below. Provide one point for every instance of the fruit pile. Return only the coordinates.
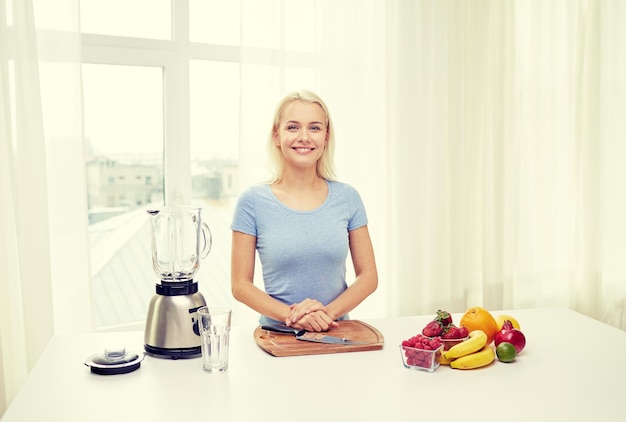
(422, 351)
(476, 331)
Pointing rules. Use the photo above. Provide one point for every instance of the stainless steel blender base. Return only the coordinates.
(172, 326)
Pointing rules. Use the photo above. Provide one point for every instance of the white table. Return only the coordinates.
(573, 369)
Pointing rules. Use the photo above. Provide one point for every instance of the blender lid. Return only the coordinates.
(114, 361)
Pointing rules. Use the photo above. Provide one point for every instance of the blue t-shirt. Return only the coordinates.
(302, 253)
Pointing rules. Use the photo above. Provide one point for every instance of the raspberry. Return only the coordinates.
(434, 343)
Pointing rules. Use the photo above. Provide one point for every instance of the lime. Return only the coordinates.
(506, 352)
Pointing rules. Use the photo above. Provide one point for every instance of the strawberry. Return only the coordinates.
(433, 329)
(444, 317)
(452, 332)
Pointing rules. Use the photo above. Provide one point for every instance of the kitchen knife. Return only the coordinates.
(309, 336)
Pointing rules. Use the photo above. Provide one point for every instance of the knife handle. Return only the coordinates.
(278, 328)
(282, 329)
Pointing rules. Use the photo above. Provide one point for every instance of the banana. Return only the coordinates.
(475, 360)
(476, 341)
(444, 361)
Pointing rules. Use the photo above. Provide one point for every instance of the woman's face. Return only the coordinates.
(301, 133)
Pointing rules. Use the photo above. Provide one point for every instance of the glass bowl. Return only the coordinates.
(449, 342)
(420, 359)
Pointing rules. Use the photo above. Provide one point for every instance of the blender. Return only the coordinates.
(180, 240)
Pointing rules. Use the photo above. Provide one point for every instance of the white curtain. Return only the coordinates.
(507, 138)
(484, 136)
(43, 239)
(26, 306)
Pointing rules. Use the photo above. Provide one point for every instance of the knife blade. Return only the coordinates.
(309, 336)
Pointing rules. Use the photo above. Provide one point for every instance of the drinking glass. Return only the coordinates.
(214, 327)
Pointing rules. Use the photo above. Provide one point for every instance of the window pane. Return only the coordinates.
(214, 120)
(123, 112)
(121, 18)
(214, 21)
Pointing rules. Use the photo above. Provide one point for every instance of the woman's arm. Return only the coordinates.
(243, 255)
(366, 280)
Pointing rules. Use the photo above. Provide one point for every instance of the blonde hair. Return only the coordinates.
(325, 165)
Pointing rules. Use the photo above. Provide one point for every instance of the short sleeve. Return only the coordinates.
(358, 214)
(244, 218)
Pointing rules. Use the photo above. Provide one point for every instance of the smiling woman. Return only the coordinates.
(303, 224)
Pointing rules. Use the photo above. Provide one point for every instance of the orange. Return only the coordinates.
(478, 318)
(501, 318)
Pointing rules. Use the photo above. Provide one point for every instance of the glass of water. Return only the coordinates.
(214, 327)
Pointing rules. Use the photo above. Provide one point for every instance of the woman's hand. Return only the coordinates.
(310, 315)
(316, 321)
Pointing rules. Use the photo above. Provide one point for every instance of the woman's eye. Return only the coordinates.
(292, 127)
(316, 128)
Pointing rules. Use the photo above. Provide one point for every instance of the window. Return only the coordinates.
(127, 18)
(161, 126)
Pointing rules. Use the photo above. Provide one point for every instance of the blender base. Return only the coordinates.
(171, 324)
(178, 353)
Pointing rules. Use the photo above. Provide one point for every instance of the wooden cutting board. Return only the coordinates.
(279, 344)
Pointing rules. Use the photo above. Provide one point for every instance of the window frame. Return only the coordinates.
(174, 57)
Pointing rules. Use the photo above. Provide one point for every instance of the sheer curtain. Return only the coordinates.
(484, 136)
(506, 144)
(26, 306)
(40, 150)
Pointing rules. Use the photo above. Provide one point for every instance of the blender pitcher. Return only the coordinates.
(180, 239)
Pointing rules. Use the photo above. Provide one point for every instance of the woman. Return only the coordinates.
(302, 224)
